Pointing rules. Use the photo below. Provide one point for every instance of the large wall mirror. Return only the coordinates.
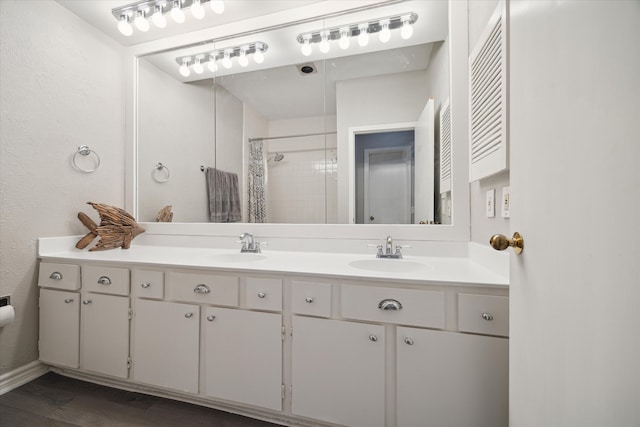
(271, 127)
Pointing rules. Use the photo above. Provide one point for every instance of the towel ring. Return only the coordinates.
(84, 151)
(157, 175)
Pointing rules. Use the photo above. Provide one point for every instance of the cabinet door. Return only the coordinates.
(59, 327)
(243, 356)
(451, 379)
(166, 344)
(105, 334)
(339, 371)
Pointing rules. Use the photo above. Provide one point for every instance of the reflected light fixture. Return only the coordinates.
(224, 56)
(361, 30)
(141, 11)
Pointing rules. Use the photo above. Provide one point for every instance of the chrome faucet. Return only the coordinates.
(249, 244)
(388, 251)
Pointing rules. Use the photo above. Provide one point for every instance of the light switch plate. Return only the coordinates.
(506, 202)
(491, 203)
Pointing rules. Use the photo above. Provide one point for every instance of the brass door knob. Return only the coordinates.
(501, 242)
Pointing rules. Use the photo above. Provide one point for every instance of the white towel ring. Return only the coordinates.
(160, 173)
(84, 151)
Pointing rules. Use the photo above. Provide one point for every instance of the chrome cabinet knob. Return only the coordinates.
(390, 304)
(55, 276)
(309, 299)
(408, 341)
(188, 315)
(104, 280)
(487, 316)
(211, 318)
(201, 289)
(68, 300)
(86, 302)
(261, 295)
(145, 285)
(373, 338)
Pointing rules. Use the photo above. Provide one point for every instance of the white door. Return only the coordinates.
(575, 192)
(59, 342)
(425, 164)
(105, 334)
(243, 356)
(387, 185)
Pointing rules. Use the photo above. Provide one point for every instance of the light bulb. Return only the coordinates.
(242, 59)
(306, 46)
(385, 33)
(363, 37)
(124, 26)
(217, 6)
(324, 44)
(212, 65)
(141, 22)
(176, 13)
(258, 56)
(158, 18)
(184, 68)
(226, 61)
(344, 39)
(197, 66)
(197, 10)
(407, 30)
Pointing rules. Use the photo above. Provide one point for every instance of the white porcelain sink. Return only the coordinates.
(389, 265)
(239, 257)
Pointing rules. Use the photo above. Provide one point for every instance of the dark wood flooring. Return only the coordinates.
(56, 400)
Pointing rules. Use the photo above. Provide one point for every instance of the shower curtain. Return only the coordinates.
(257, 182)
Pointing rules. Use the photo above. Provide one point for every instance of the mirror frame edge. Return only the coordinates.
(458, 231)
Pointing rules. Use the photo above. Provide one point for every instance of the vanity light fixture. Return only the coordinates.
(224, 56)
(361, 30)
(141, 12)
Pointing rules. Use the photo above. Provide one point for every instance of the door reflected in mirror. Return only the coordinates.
(288, 140)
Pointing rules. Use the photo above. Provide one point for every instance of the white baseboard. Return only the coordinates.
(21, 376)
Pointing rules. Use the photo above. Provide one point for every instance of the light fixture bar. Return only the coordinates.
(219, 54)
(353, 30)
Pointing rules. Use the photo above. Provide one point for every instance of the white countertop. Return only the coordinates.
(419, 269)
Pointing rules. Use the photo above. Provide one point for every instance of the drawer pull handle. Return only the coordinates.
(145, 285)
(309, 299)
(55, 276)
(201, 289)
(211, 318)
(373, 338)
(86, 302)
(68, 300)
(390, 304)
(408, 341)
(188, 315)
(488, 317)
(261, 295)
(104, 280)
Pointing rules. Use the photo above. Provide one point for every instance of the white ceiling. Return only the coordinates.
(297, 95)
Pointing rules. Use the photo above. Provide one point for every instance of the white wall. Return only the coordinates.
(403, 97)
(61, 85)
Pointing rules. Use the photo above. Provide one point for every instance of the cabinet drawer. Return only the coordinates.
(404, 306)
(264, 294)
(202, 288)
(147, 284)
(311, 298)
(59, 276)
(105, 280)
(483, 314)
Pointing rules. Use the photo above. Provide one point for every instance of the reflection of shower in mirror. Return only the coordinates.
(276, 157)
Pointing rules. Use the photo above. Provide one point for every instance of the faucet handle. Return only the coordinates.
(378, 247)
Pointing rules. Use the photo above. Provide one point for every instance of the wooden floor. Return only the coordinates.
(55, 400)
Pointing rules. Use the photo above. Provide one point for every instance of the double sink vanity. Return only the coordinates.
(292, 337)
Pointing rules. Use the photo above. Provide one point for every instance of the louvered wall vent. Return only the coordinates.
(445, 148)
(488, 99)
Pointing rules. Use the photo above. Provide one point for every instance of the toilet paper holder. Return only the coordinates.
(5, 300)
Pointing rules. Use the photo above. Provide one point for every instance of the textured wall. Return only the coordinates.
(61, 85)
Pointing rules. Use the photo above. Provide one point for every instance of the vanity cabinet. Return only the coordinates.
(59, 342)
(243, 356)
(166, 343)
(338, 371)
